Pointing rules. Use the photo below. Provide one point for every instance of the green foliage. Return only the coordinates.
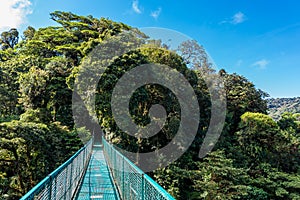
(6, 54)
(255, 158)
(142, 99)
(277, 184)
(171, 178)
(29, 33)
(9, 39)
(38, 115)
(34, 91)
(289, 121)
(217, 178)
(30, 151)
(242, 96)
(258, 137)
(262, 141)
(83, 134)
(32, 88)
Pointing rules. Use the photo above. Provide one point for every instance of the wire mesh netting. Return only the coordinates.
(63, 182)
(132, 183)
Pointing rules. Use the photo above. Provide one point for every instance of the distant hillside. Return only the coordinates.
(277, 106)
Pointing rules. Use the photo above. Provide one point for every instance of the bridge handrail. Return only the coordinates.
(131, 181)
(63, 181)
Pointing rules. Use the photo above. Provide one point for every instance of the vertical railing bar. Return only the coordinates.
(50, 189)
(55, 188)
(143, 183)
(65, 183)
(123, 175)
(71, 181)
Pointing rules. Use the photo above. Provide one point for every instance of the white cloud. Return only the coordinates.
(238, 18)
(135, 7)
(261, 63)
(13, 13)
(155, 14)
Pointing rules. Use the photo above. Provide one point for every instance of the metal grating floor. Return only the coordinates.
(97, 183)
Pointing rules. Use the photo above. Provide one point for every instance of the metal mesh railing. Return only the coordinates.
(63, 182)
(132, 182)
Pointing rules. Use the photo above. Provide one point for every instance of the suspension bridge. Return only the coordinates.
(98, 171)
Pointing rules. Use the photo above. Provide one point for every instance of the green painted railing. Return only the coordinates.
(64, 181)
(131, 181)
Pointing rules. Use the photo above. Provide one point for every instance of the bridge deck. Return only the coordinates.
(97, 182)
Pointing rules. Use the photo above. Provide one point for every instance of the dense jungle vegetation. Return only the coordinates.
(255, 157)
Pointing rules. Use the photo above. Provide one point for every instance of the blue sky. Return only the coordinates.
(259, 39)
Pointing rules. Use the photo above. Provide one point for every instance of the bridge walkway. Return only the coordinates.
(97, 182)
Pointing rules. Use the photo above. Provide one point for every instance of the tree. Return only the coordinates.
(29, 33)
(30, 151)
(258, 137)
(142, 99)
(9, 39)
(32, 88)
(8, 98)
(60, 99)
(195, 56)
(289, 121)
(262, 141)
(274, 183)
(241, 96)
(217, 178)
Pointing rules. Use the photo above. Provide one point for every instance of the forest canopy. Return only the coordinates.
(255, 157)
